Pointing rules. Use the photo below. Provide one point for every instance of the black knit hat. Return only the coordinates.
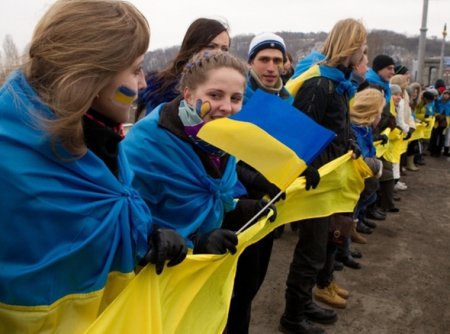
(400, 69)
(382, 61)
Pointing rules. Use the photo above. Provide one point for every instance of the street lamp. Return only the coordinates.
(422, 40)
(441, 62)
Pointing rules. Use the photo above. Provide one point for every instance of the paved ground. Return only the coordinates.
(404, 285)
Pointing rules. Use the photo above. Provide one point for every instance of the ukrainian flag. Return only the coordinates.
(194, 296)
(270, 135)
(71, 232)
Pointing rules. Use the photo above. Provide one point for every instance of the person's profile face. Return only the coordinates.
(387, 72)
(223, 90)
(114, 101)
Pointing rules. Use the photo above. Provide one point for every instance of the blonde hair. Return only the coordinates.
(344, 40)
(367, 106)
(196, 70)
(76, 49)
(400, 80)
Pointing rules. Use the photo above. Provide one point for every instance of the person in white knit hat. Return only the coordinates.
(266, 57)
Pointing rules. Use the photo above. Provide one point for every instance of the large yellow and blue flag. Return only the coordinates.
(194, 296)
(271, 136)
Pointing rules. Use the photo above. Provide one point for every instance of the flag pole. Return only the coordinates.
(260, 212)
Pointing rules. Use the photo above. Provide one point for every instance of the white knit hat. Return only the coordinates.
(395, 89)
(266, 40)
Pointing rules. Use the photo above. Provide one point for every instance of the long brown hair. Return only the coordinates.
(76, 49)
(198, 36)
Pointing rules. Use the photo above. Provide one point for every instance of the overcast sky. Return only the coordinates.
(169, 19)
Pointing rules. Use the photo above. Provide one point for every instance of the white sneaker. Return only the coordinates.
(400, 186)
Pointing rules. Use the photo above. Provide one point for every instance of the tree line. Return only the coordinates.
(402, 48)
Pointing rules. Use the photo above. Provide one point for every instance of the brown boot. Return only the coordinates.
(340, 291)
(329, 296)
(356, 237)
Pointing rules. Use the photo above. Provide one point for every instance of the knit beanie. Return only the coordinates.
(266, 40)
(395, 89)
(401, 69)
(382, 61)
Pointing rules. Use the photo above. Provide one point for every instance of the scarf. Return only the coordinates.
(192, 123)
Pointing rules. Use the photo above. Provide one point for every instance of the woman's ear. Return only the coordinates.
(187, 95)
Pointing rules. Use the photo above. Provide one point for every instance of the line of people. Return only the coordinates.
(86, 206)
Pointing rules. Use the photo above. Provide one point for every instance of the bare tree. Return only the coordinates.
(2, 70)
(11, 58)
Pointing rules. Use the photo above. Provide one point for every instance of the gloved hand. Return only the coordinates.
(355, 148)
(312, 177)
(217, 241)
(384, 139)
(261, 204)
(267, 187)
(409, 134)
(165, 244)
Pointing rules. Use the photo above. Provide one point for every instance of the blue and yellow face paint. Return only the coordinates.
(202, 108)
(124, 95)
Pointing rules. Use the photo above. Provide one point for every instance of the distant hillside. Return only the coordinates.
(402, 48)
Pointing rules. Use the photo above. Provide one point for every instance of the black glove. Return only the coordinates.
(165, 244)
(384, 139)
(409, 134)
(355, 148)
(217, 241)
(401, 130)
(262, 203)
(267, 187)
(312, 177)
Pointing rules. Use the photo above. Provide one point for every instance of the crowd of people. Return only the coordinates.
(87, 205)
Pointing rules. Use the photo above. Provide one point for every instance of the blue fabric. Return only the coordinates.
(364, 138)
(344, 86)
(65, 224)
(303, 65)
(173, 182)
(442, 107)
(430, 109)
(375, 79)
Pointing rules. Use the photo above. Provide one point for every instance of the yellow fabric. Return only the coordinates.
(380, 148)
(194, 296)
(294, 85)
(395, 146)
(278, 163)
(70, 314)
(428, 127)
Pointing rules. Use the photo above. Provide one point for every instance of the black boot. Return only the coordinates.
(303, 326)
(446, 153)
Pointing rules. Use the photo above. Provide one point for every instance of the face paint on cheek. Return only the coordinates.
(124, 95)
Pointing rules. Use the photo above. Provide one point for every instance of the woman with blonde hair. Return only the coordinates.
(73, 228)
(322, 93)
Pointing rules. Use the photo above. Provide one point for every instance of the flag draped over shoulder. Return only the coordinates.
(271, 136)
(343, 85)
(194, 296)
(71, 232)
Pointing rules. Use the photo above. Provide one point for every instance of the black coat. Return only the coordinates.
(319, 100)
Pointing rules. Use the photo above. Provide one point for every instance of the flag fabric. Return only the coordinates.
(71, 231)
(343, 85)
(270, 135)
(396, 145)
(194, 296)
